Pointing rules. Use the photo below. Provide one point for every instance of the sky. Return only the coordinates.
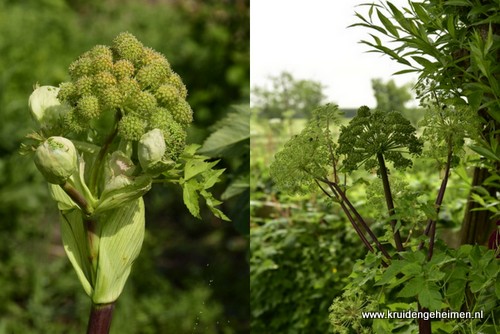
(310, 39)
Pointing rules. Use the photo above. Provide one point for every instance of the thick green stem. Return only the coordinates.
(100, 318)
(389, 201)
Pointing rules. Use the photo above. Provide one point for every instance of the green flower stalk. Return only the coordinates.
(117, 125)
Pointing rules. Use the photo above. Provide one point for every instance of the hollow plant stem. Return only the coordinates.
(389, 201)
(350, 217)
(430, 229)
(100, 318)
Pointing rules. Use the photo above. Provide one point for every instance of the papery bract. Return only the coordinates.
(56, 159)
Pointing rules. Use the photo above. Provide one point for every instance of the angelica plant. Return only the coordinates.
(312, 159)
(118, 125)
(371, 138)
(326, 152)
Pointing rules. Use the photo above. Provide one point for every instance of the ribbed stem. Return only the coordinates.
(100, 318)
(389, 201)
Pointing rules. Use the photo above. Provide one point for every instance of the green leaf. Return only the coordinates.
(190, 197)
(211, 177)
(485, 152)
(64, 202)
(391, 272)
(232, 131)
(494, 113)
(464, 3)
(477, 282)
(212, 203)
(426, 63)
(237, 186)
(455, 292)
(405, 71)
(199, 176)
(475, 98)
(398, 15)
(412, 287)
(430, 297)
(387, 24)
(421, 12)
(412, 269)
(196, 166)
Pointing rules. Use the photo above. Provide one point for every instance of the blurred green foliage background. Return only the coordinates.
(192, 276)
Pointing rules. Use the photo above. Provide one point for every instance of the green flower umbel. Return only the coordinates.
(132, 82)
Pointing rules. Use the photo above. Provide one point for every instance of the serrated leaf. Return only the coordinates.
(212, 203)
(232, 131)
(190, 197)
(464, 251)
(430, 297)
(412, 269)
(391, 272)
(211, 177)
(196, 166)
(455, 292)
(237, 186)
(412, 287)
(477, 282)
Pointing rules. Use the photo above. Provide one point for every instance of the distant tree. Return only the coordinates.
(296, 97)
(389, 96)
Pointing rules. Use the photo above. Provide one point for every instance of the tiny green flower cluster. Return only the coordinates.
(378, 132)
(130, 80)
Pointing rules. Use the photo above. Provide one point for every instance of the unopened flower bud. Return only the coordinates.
(56, 159)
(44, 105)
(151, 148)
